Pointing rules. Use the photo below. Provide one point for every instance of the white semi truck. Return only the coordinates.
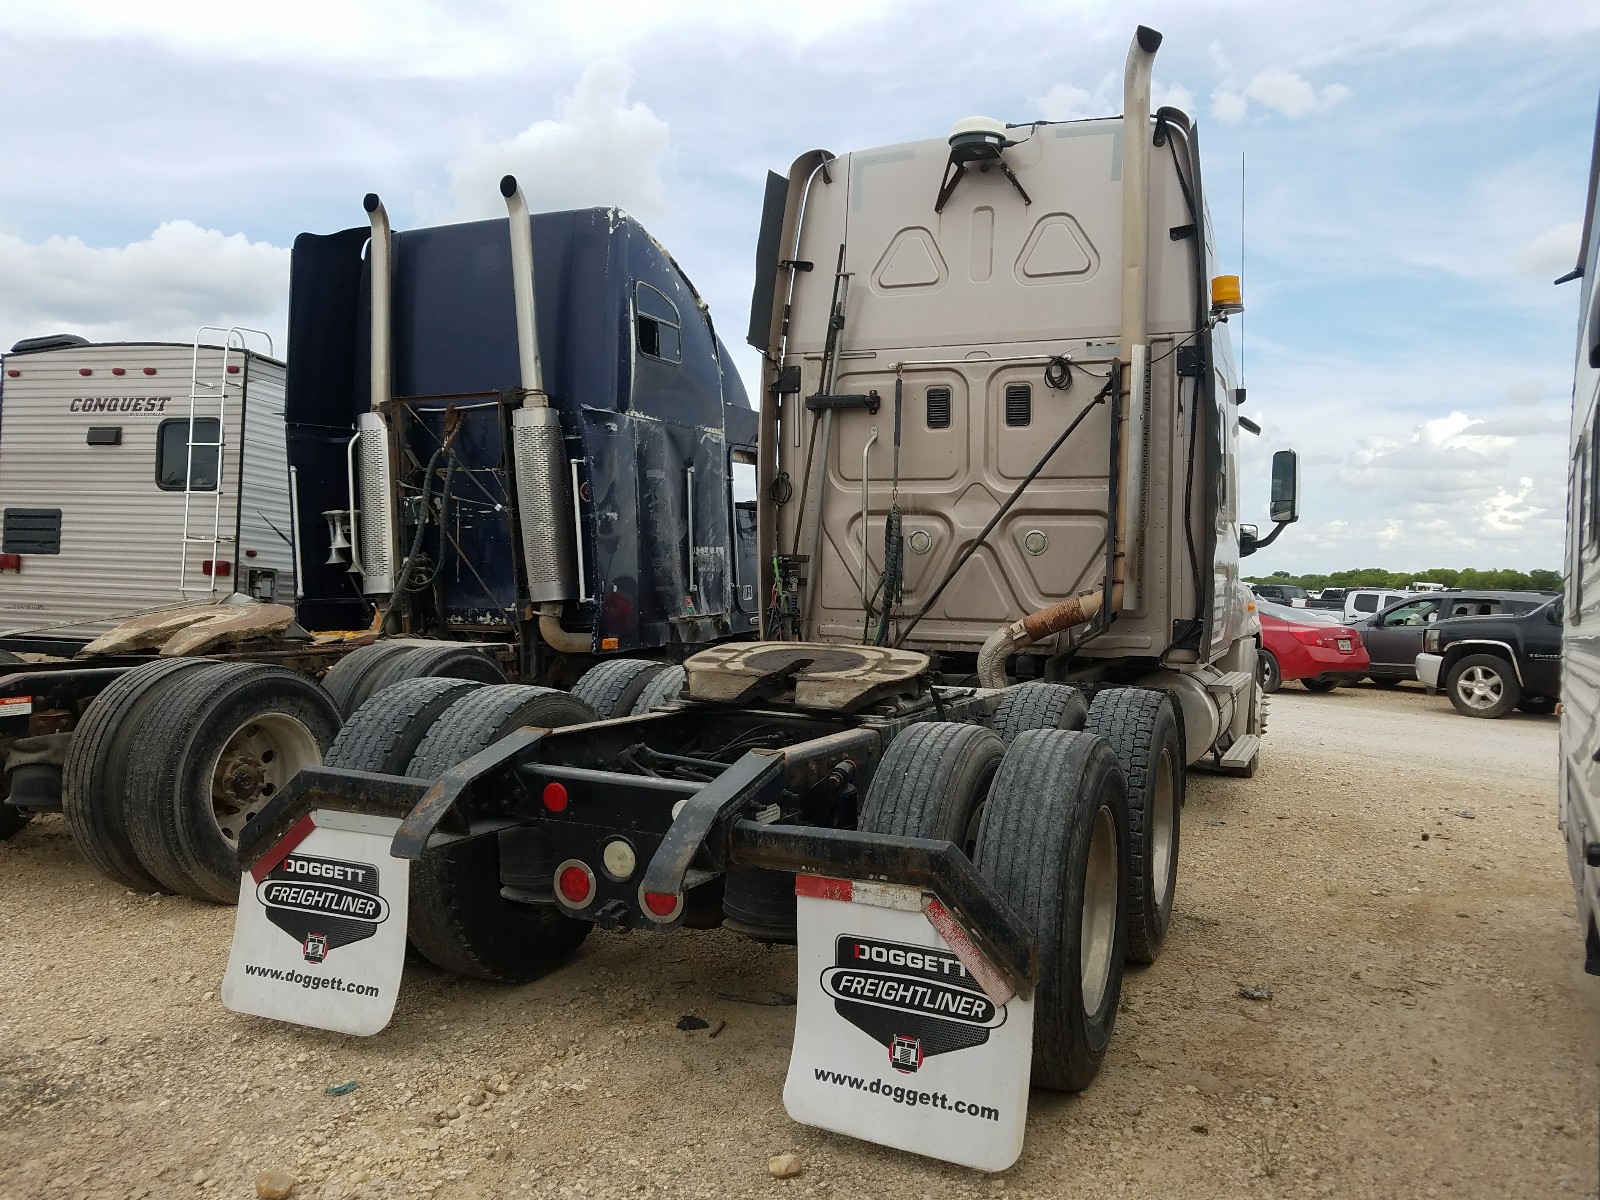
(999, 528)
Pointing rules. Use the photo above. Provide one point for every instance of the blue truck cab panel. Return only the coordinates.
(653, 413)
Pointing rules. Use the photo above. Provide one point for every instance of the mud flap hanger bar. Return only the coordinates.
(712, 819)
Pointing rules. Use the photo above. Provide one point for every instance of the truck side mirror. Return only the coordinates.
(1249, 536)
(1285, 508)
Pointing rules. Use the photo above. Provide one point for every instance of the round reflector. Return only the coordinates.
(555, 797)
(619, 859)
(575, 883)
(659, 906)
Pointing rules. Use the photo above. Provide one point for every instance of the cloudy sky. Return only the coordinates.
(1415, 181)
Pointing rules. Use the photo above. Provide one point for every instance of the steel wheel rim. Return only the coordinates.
(1480, 687)
(1098, 925)
(1162, 818)
(254, 764)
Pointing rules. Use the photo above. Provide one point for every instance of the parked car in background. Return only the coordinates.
(1281, 593)
(1329, 598)
(1304, 644)
(1363, 602)
(1490, 665)
(1393, 637)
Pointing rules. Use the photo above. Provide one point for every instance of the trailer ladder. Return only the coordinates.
(233, 341)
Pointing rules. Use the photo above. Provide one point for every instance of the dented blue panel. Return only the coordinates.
(645, 407)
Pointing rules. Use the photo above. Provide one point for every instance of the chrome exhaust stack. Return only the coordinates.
(1132, 407)
(538, 453)
(1135, 300)
(376, 528)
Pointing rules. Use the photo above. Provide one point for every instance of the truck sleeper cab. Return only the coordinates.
(876, 748)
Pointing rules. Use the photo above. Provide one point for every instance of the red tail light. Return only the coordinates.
(659, 906)
(575, 883)
(220, 567)
(10, 562)
(555, 797)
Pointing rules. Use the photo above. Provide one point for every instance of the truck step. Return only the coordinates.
(1230, 684)
(1241, 756)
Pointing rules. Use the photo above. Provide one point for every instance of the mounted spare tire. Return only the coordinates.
(612, 688)
(224, 741)
(1142, 727)
(1055, 846)
(460, 921)
(94, 777)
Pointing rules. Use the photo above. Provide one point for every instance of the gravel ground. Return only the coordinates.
(1393, 874)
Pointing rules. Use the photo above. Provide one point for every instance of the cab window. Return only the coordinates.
(657, 324)
(1418, 612)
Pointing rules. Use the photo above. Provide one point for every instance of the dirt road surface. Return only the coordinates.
(1393, 875)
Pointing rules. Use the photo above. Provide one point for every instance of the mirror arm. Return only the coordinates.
(1277, 528)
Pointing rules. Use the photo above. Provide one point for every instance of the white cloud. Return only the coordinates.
(1508, 511)
(1284, 92)
(1228, 107)
(599, 150)
(1068, 102)
(1171, 96)
(1064, 102)
(1552, 253)
(162, 288)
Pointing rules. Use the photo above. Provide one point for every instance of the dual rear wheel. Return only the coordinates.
(1076, 830)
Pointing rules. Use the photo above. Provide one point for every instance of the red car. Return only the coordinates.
(1300, 643)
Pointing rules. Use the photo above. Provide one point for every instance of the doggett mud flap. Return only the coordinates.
(320, 935)
(905, 1033)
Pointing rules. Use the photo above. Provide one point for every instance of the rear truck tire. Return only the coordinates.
(384, 733)
(1268, 671)
(1143, 729)
(1539, 706)
(1319, 685)
(1037, 705)
(933, 782)
(612, 688)
(347, 681)
(460, 921)
(222, 743)
(93, 779)
(1482, 685)
(664, 687)
(439, 661)
(1055, 846)
(1384, 681)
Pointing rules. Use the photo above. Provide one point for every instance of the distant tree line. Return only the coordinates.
(1503, 580)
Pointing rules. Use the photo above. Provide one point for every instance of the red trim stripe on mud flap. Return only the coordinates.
(298, 832)
(821, 887)
(989, 979)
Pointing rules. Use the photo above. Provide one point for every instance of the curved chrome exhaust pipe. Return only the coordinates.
(539, 453)
(376, 526)
(1134, 333)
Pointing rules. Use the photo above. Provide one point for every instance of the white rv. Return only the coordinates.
(135, 476)
(1580, 668)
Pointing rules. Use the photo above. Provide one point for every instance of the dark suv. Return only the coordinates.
(1279, 593)
(1393, 636)
(1490, 665)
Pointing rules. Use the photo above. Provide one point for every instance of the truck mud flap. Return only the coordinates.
(320, 934)
(905, 1033)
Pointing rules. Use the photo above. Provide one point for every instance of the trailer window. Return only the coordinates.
(658, 324)
(173, 450)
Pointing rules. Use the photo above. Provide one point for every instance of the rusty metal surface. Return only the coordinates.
(326, 787)
(419, 824)
(737, 788)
